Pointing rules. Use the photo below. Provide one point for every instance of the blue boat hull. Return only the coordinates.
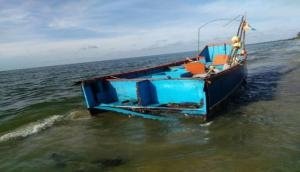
(221, 86)
(165, 90)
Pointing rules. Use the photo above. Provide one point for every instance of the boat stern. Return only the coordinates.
(139, 97)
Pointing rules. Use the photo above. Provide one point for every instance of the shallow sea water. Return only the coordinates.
(44, 125)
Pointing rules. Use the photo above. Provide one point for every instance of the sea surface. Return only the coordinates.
(45, 127)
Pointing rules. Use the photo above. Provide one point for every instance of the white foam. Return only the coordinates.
(206, 124)
(78, 115)
(31, 128)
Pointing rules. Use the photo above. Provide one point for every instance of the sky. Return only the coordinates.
(50, 32)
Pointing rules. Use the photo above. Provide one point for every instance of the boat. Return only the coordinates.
(190, 87)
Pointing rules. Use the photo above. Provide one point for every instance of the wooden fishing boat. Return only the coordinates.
(192, 87)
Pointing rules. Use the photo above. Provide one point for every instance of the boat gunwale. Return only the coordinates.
(115, 77)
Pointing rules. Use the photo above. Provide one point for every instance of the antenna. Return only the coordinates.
(213, 21)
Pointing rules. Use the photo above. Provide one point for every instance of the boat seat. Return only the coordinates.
(195, 68)
(220, 59)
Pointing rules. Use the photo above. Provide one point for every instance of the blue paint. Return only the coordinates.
(88, 95)
(136, 114)
(178, 91)
(210, 52)
(124, 90)
(158, 91)
(171, 73)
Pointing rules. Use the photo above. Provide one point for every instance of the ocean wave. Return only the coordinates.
(31, 128)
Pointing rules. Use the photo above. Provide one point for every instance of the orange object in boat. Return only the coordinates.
(220, 59)
(195, 67)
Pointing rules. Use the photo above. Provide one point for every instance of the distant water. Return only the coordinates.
(44, 125)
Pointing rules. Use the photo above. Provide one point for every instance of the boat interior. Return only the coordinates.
(214, 56)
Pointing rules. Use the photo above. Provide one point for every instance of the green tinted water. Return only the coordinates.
(45, 126)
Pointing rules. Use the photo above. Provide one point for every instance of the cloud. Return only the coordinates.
(76, 31)
(12, 16)
(63, 24)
